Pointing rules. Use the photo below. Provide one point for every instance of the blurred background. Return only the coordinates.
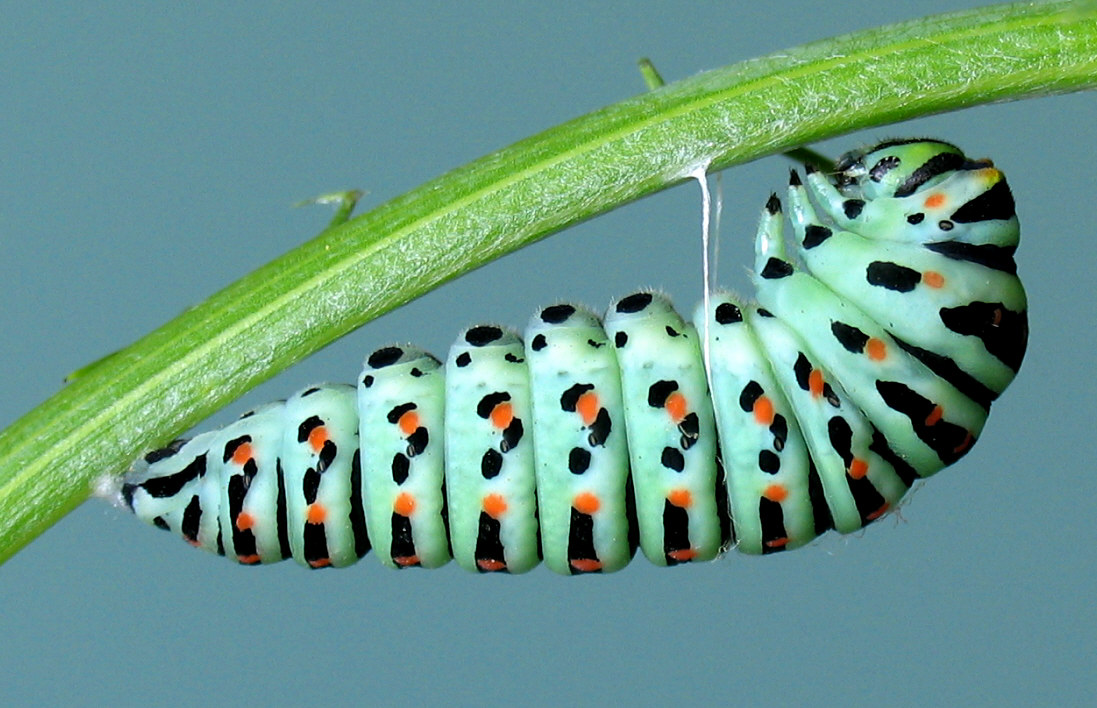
(151, 155)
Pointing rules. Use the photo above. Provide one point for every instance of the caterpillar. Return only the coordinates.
(869, 361)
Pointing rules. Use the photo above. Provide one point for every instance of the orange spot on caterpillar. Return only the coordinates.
(876, 349)
(935, 200)
(409, 422)
(586, 565)
(815, 383)
(404, 504)
(405, 561)
(933, 279)
(763, 410)
(251, 559)
(502, 415)
(935, 415)
(242, 454)
(879, 512)
(963, 446)
(858, 468)
(777, 542)
(316, 514)
(244, 521)
(775, 492)
(490, 565)
(680, 498)
(683, 556)
(494, 505)
(676, 406)
(317, 437)
(320, 562)
(588, 406)
(586, 503)
(996, 318)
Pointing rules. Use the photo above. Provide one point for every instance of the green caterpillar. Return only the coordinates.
(866, 365)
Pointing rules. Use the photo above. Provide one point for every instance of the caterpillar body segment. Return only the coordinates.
(681, 493)
(401, 418)
(581, 450)
(321, 481)
(162, 494)
(490, 484)
(773, 487)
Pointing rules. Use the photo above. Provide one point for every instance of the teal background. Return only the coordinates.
(149, 155)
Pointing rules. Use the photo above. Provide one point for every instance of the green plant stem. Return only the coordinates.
(802, 155)
(145, 394)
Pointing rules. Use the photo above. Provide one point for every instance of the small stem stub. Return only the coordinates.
(652, 78)
(345, 202)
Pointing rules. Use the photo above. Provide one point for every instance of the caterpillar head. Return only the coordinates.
(927, 191)
(898, 168)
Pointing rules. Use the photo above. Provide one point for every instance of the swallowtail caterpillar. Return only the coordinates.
(869, 361)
